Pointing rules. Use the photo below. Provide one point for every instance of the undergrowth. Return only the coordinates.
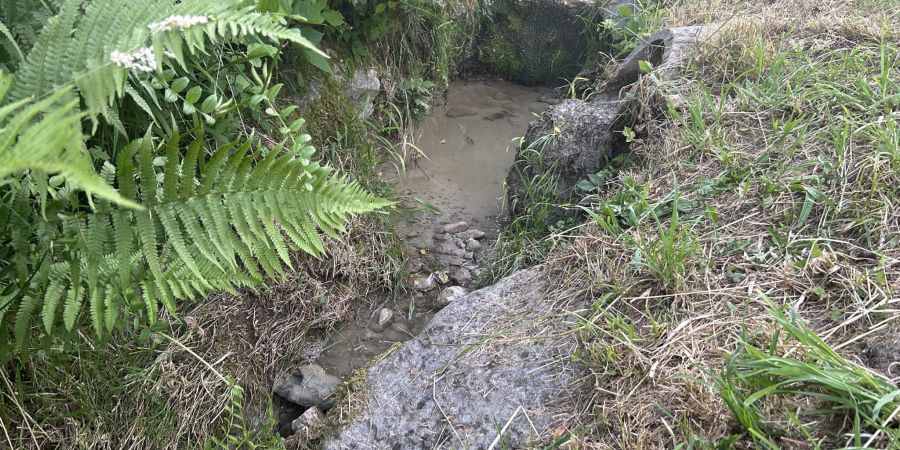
(766, 181)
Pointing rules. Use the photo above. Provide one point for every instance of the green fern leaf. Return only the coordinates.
(51, 300)
(23, 320)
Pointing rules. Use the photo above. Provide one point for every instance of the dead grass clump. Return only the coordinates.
(256, 338)
(780, 162)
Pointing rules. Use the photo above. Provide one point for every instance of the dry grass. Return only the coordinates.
(789, 196)
(157, 395)
(259, 338)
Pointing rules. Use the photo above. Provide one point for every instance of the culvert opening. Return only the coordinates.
(534, 43)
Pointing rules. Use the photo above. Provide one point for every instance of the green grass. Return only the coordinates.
(838, 387)
(769, 168)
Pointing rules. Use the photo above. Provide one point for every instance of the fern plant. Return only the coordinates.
(97, 229)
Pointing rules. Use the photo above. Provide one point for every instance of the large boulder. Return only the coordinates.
(574, 139)
(570, 141)
(664, 50)
(476, 375)
(535, 42)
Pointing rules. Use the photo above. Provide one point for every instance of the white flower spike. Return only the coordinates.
(142, 60)
(177, 22)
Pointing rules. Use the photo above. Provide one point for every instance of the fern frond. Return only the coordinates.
(46, 136)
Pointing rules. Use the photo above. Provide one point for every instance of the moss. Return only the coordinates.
(498, 56)
(534, 42)
(326, 115)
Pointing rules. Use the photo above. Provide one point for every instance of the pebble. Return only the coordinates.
(461, 275)
(472, 245)
(452, 249)
(381, 320)
(413, 265)
(426, 283)
(471, 234)
(310, 424)
(450, 295)
(311, 386)
(455, 227)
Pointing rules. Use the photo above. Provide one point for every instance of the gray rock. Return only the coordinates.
(362, 89)
(461, 275)
(472, 245)
(381, 320)
(574, 138)
(455, 260)
(426, 283)
(455, 227)
(448, 389)
(470, 234)
(501, 97)
(452, 248)
(665, 50)
(450, 295)
(311, 386)
(613, 11)
(577, 138)
(310, 424)
(413, 265)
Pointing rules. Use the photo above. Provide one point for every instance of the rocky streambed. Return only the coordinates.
(449, 368)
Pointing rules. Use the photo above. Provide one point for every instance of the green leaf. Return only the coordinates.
(179, 84)
(193, 94)
(645, 66)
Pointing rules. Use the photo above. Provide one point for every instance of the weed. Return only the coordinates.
(839, 388)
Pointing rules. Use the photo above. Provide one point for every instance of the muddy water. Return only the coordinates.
(469, 147)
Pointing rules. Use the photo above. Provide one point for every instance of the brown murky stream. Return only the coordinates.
(470, 148)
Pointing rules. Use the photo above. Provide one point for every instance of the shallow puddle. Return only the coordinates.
(469, 143)
(469, 147)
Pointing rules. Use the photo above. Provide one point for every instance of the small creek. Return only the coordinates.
(469, 147)
(469, 143)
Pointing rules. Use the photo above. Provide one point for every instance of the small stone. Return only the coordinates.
(426, 283)
(452, 248)
(471, 234)
(472, 245)
(455, 227)
(459, 111)
(439, 236)
(450, 295)
(454, 260)
(461, 275)
(385, 315)
(310, 424)
(312, 386)
(459, 242)
(413, 265)
(381, 320)
(442, 277)
(470, 255)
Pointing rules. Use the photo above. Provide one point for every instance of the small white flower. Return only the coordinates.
(142, 60)
(177, 22)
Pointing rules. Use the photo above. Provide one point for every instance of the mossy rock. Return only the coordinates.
(535, 42)
(327, 111)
